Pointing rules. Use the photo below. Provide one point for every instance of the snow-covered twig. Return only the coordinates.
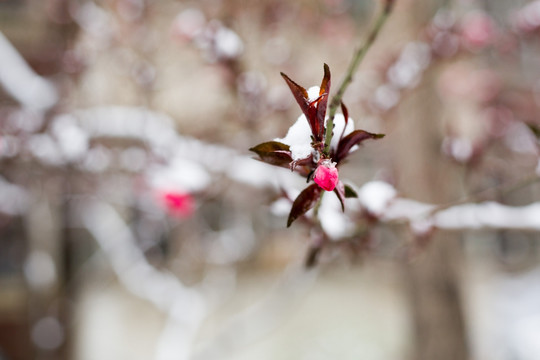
(28, 88)
(185, 307)
(13, 199)
(381, 199)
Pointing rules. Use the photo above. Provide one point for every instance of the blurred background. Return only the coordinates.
(134, 223)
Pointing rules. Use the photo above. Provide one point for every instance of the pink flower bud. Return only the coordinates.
(326, 175)
(179, 204)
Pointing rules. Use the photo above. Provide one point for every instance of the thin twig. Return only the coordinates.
(357, 58)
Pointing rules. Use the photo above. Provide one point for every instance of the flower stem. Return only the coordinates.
(317, 206)
(357, 58)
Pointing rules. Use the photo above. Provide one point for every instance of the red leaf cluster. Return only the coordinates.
(323, 166)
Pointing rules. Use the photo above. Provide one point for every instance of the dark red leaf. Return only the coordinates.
(352, 139)
(316, 125)
(303, 166)
(305, 201)
(345, 112)
(350, 192)
(324, 93)
(315, 111)
(325, 84)
(274, 153)
(308, 108)
(340, 192)
(270, 146)
(299, 93)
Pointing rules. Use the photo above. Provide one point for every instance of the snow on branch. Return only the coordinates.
(13, 198)
(18, 79)
(380, 199)
(186, 307)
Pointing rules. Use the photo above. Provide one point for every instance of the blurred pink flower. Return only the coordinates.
(478, 30)
(326, 175)
(179, 204)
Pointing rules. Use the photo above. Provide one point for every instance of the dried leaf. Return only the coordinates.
(350, 192)
(274, 153)
(340, 192)
(352, 139)
(305, 201)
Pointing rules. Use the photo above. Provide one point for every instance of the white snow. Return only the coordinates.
(228, 44)
(21, 82)
(13, 199)
(380, 199)
(39, 270)
(45, 149)
(339, 124)
(489, 215)
(189, 22)
(281, 207)
(313, 93)
(180, 174)
(298, 138)
(335, 223)
(375, 196)
(72, 140)
(386, 96)
(299, 135)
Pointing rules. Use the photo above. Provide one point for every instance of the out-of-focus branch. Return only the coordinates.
(357, 58)
(186, 308)
(28, 88)
(485, 194)
(14, 200)
(261, 318)
(422, 217)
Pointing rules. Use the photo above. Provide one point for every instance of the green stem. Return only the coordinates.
(356, 60)
(317, 206)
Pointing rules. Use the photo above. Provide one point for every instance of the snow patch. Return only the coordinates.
(376, 196)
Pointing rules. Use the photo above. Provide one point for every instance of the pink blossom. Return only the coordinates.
(180, 204)
(326, 175)
(478, 30)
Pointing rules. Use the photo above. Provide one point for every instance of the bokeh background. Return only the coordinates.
(134, 223)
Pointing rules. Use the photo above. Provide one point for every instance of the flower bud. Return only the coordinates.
(178, 203)
(326, 175)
